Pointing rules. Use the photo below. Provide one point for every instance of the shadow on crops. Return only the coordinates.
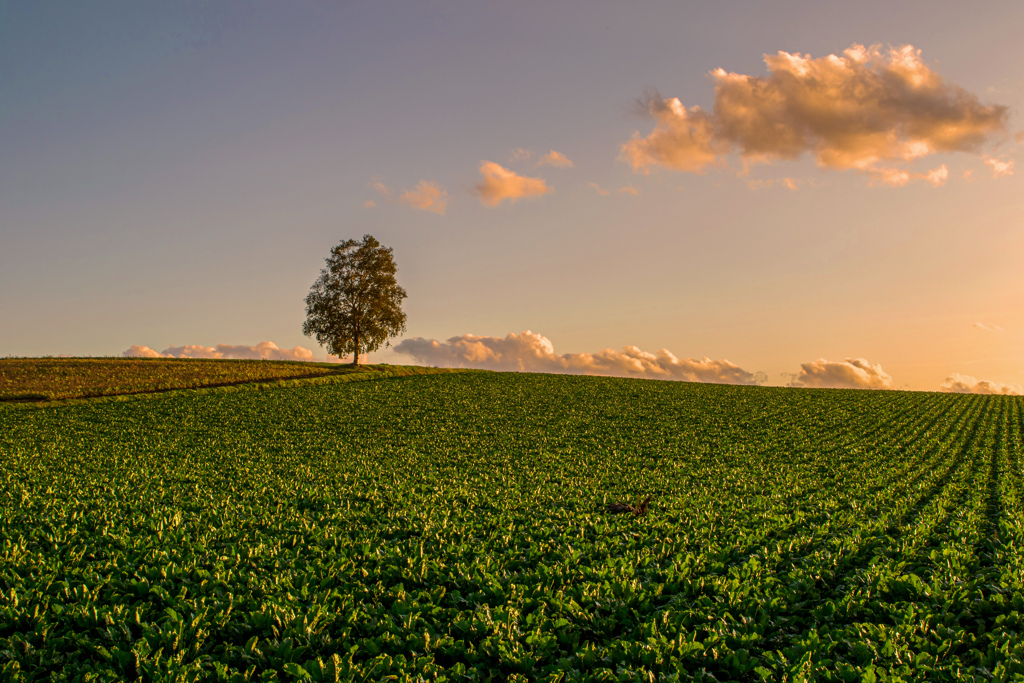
(831, 586)
(922, 465)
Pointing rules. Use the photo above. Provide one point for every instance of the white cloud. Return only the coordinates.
(852, 373)
(987, 328)
(426, 196)
(864, 110)
(890, 177)
(965, 384)
(1000, 167)
(263, 351)
(898, 177)
(938, 176)
(531, 352)
(556, 159)
(500, 183)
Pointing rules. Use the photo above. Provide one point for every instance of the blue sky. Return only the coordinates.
(174, 174)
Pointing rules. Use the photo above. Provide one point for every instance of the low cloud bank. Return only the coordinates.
(532, 352)
(263, 351)
(852, 373)
(965, 384)
(860, 110)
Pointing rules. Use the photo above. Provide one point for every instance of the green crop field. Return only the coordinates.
(47, 379)
(455, 527)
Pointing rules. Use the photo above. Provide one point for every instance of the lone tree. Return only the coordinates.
(356, 303)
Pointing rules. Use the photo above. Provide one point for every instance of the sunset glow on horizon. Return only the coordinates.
(792, 194)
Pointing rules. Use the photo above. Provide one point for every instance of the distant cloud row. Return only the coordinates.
(263, 351)
(870, 110)
(532, 352)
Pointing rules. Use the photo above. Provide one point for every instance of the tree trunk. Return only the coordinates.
(355, 357)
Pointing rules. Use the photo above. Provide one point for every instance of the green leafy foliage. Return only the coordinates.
(355, 304)
(454, 527)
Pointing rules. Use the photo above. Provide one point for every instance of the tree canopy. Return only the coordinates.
(356, 303)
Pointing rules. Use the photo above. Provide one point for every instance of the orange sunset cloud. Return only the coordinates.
(852, 373)
(965, 384)
(557, 159)
(499, 184)
(860, 110)
(426, 196)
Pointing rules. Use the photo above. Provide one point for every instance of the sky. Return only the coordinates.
(785, 193)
